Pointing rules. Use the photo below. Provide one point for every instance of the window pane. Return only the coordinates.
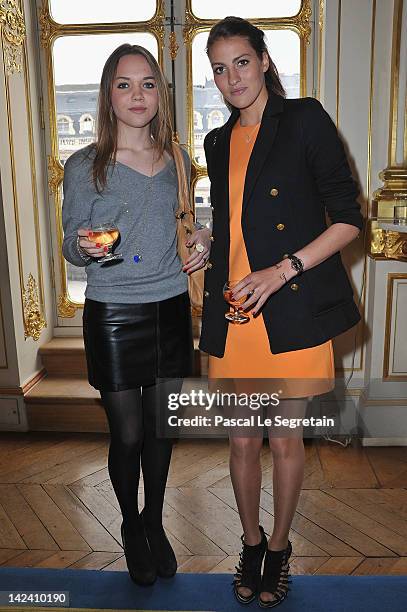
(208, 107)
(77, 83)
(213, 9)
(76, 283)
(97, 11)
(203, 212)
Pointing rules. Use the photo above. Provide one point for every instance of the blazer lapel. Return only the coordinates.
(263, 145)
(221, 159)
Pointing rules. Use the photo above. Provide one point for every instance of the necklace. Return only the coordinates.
(248, 137)
(137, 257)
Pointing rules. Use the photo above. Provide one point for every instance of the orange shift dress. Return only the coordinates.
(247, 351)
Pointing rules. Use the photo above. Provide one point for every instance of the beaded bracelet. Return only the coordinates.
(81, 252)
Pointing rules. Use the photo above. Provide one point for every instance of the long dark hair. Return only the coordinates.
(161, 125)
(236, 26)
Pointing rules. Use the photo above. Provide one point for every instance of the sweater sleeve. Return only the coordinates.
(79, 194)
(328, 163)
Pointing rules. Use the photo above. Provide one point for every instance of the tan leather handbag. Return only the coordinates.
(185, 227)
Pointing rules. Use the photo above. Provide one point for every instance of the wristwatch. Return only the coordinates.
(296, 263)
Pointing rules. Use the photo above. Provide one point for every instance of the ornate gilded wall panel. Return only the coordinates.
(20, 135)
(13, 35)
(33, 318)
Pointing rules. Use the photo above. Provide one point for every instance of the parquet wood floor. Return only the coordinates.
(58, 509)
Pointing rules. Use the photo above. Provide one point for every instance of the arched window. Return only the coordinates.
(86, 124)
(198, 125)
(215, 119)
(65, 125)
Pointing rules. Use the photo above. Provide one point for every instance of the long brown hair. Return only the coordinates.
(236, 26)
(106, 141)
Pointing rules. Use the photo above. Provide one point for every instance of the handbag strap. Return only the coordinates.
(183, 189)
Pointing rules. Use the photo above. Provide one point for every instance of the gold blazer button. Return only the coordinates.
(209, 265)
(280, 227)
(212, 239)
(206, 293)
(294, 287)
(274, 192)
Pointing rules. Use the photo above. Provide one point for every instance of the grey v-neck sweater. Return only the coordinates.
(128, 199)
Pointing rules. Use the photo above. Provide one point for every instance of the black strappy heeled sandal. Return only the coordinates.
(276, 576)
(248, 572)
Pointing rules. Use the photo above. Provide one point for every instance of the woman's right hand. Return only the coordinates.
(88, 247)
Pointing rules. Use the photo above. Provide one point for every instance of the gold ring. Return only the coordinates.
(199, 247)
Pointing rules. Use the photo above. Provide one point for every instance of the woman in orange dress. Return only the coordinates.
(275, 168)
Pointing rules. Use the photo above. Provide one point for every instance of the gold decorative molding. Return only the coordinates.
(385, 243)
(156, 24)
(321, 14)
(13, 33)
(34, 321)
(37, 230)
(320, 45)
(303, 20)
(395, 81)
(395, 245)
(190, 24)
(174, 46)
(66, 308)
(48, 27)
(338, 60)
(300, 22)
(55, 174)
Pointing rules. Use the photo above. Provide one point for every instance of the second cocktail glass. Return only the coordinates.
(237, 316)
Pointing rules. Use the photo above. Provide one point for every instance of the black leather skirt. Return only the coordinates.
(130, 345)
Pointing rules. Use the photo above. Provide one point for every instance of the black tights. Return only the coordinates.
(132, 416)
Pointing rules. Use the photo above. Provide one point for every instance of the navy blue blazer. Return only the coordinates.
(297, 173)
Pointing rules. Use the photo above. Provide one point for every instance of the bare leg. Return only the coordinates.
(245, 472)
(288, 473)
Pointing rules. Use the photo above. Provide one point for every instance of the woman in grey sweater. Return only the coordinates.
(136, 320)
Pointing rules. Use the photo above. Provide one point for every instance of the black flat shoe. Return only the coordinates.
(275, 579)
(248, 572)
(138, 558)
(161, 550)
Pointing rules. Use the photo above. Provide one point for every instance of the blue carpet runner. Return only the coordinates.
(104, 590)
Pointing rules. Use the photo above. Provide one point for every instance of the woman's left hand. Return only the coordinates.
(258, 286)
(200, 256)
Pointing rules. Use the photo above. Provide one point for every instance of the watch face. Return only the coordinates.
(296, 263)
